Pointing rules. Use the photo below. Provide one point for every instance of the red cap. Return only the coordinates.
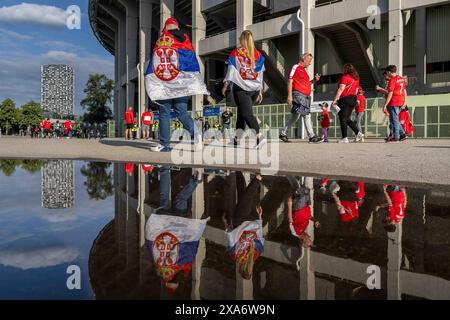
(171, 21)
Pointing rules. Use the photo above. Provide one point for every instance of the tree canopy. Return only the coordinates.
(99, 93)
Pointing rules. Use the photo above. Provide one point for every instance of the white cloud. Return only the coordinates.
(13, 35)
(35, 14)
(55, 56)
(38, 258)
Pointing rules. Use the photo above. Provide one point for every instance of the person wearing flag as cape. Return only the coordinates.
(171, 236)
(243, 225)
(173, 75)
(245, 77)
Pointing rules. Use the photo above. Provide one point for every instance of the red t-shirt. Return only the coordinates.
(147, 168)
(301, 80)
(397, 85)
(362, 103)
(351, 211)
(147, 118)
(397, 210)
(301, 220)
(351, 86)
(129, 167)
(67, 125)
(47, 125)
(129, 117)
(361, 191)
(325, 123)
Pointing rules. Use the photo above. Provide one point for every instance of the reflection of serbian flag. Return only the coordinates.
(173, 71)
(240, 239)
(240, 71)
(173, 242)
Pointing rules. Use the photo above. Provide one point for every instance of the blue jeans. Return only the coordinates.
(396, 127)
(181, 200)
(179, 105)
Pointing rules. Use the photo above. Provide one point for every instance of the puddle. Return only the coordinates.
(206, 239)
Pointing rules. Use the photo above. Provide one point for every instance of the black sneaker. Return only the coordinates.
(284, 138)
(403, 137)
(316, 140)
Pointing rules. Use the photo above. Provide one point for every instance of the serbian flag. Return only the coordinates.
(173, 242)
(240, 70)
(173, 71)
(241, 238)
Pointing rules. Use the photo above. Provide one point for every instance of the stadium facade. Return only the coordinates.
(368, 33)
(57, 89)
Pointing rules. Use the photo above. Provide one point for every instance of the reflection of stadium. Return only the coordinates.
(58, 184)
(411, 259)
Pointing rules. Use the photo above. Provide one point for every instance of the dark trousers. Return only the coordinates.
(347, 105)
(244, 101)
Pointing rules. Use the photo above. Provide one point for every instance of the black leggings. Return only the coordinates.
(244, 101)
(347, 105)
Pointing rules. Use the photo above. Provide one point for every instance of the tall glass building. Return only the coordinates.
(57, 89)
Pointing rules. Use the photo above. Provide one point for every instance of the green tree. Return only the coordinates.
(8, 167)
(98, 97)
(98, 180)
(32, 114)
(7, 115)
(32, 166)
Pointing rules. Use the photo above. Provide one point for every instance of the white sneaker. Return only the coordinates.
(345, 140)
(160, 148)
(359, 137)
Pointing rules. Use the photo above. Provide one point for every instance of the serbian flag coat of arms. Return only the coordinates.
(240, 70)
(173, 71)
(173, 242)
(241, 238)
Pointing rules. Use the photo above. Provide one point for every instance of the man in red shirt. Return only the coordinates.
(299, 97)
(129, 122)
(396, 202)
(395, 102)
(147, 121)
(68, 129)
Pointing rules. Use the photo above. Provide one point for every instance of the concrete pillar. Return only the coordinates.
(167, 11)
(244, 288)
(198, 208)
(309, 44)
(132, 23)
(198, 33)
(394, 291)
(421, 49)
(145, 38)
(244, 16)
(120, 55)
(396, 34)
(307, 276)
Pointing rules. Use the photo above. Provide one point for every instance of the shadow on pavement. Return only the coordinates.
(128, 143)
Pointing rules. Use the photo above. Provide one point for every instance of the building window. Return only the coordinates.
(438, 67)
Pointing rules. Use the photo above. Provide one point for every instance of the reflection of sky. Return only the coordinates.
(37, 245)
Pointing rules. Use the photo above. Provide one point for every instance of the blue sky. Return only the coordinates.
(33, 33)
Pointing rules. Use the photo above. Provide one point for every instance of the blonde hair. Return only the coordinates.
(247, 42)
(246, 266)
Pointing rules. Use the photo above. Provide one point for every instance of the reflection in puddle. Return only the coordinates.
(180, 233)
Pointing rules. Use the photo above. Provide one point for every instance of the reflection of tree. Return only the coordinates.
(98, 180)
(32, 166)
(8, 167)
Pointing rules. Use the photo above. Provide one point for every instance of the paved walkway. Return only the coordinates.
(415, 162)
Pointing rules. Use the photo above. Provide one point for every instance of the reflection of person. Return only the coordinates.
(299, 211)
(244, 226)
(396, 201)
(129, 168)
(348, 197)
(172, 237)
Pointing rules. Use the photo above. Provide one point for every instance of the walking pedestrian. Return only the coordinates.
(172, 77)
(346, 100)
(299, 97)
(324, 122)
(245, 77)
(360, 108)
(226, 123)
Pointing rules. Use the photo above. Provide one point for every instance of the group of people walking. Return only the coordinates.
(67, 129)
(169, 85)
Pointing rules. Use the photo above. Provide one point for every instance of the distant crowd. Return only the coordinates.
(67, 129)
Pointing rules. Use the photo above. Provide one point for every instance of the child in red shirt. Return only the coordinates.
(360, 107)
(324, 122)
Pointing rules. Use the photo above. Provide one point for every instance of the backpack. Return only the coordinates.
(405, 120)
